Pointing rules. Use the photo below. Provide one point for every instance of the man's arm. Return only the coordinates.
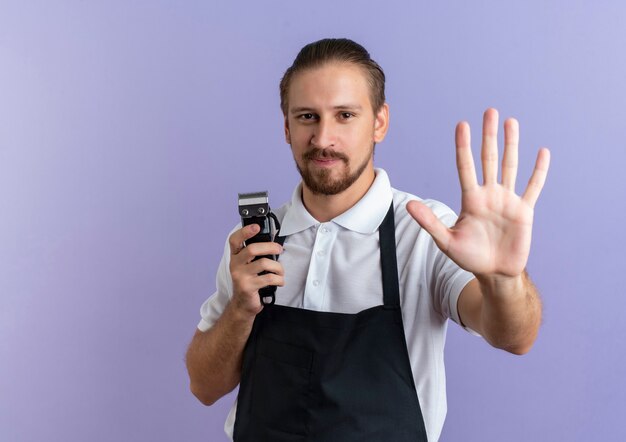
(214, 357)
(507, 312)
(491, 238)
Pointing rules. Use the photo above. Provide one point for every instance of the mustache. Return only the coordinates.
(324, 154)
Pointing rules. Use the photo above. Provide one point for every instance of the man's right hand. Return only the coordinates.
(245, 271)
(214, 357)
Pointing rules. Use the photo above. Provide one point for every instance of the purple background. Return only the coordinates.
(127, 128)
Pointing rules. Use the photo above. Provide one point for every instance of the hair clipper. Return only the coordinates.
(254, 208)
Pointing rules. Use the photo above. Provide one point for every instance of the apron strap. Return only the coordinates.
(388, 261)
(280, 240)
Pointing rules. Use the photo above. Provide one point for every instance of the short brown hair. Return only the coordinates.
(329, 50)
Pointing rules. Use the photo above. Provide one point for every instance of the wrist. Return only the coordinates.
(240, 312)
(494, 285)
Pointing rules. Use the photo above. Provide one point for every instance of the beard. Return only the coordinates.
(320, 181)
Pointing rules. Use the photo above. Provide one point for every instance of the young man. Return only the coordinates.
(353, 348)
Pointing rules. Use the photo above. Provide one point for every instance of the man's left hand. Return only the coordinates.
(493, 232)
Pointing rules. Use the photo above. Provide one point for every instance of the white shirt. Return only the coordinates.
(335, 267)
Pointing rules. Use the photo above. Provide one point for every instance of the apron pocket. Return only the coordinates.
(280, 388)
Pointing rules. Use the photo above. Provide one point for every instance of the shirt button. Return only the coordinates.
(321, 253)
(316, 283)
(325, 230)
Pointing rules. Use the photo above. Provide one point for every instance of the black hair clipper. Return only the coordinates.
(254, 208)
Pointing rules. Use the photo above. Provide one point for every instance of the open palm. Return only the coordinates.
(493, 232)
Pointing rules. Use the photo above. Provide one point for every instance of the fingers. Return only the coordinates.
(247, 254)
(265, 265)
(248, 278)
(464, 159)
(238, 237)
(538, 178)
(489, 150)
(509, 159)
(270, 279)
(251, 282)
(427, 219)
(248, 287)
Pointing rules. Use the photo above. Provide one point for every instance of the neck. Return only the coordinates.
(326, 207)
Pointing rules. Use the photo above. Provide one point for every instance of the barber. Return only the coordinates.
(367, 275)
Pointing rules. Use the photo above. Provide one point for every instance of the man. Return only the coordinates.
(353, 348)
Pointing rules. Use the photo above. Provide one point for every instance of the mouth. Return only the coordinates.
(325, 158)
(325, 162)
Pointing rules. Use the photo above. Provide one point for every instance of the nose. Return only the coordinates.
(324, 135)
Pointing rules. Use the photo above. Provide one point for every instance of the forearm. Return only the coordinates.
(510, 312)
(214, 357)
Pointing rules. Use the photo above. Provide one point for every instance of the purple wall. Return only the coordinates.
(127, 128)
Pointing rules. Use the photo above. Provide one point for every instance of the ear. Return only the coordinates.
(381, 123)
(287, 135)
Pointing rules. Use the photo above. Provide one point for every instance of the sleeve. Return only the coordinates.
(447, 278)
(213, 307)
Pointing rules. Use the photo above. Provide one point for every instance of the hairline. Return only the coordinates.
(337, 61)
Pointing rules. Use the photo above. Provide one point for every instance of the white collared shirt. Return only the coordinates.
(335, 267)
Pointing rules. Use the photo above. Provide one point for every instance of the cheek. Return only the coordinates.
(363, 135)
(300, 135)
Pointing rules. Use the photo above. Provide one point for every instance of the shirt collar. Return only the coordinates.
(297, 218)
(364, 217)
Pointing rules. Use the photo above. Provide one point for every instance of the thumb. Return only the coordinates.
(429, 222)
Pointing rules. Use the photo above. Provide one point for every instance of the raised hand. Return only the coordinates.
(493, 232)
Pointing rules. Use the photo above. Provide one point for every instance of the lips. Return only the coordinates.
(324, 157)
(325, 161)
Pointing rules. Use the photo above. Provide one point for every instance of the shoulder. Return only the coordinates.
(412, 241)
(405, 220)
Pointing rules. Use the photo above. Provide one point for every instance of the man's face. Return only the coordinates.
(332, 129)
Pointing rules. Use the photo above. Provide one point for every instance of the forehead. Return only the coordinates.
(328, 86)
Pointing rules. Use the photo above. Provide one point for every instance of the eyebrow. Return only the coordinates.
(355, 107)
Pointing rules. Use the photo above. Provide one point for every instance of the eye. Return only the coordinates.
(346, 115)
(306, 117)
